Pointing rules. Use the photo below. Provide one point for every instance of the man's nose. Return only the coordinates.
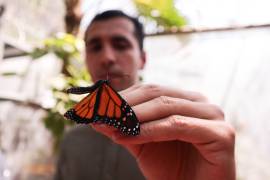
(108, 55)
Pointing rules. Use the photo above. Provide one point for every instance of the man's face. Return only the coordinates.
(113, 52)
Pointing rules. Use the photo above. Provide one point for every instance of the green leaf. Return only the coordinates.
(162, 11)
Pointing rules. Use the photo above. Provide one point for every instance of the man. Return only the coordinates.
(182, 135)
(114, 50)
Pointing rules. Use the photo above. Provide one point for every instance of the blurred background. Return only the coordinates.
(217, 47)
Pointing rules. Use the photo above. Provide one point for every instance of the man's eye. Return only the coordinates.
(121, 46)
(94, 48)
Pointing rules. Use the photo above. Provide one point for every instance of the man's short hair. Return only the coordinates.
(139, 33)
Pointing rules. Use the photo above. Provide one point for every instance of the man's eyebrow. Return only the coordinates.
(119, 38)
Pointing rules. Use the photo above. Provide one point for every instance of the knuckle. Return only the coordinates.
(218, 113)
(230, 132)
(152, 89)
(177, 121)
(202, 97)
(164, 100)
(148, 131)
(228, 135)
(199, 97)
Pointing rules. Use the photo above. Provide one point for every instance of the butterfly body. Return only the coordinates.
(103, 105)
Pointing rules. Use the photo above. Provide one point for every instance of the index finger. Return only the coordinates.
(145, 93)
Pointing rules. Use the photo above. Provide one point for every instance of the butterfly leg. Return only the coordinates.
(81, 90)
(84, 90)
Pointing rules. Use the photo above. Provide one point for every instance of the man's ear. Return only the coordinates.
(143, 59)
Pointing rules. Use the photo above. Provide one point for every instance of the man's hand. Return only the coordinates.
(182, 136)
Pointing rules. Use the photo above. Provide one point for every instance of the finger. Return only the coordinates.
(208, 137)
(191, 130)
(163, 106)
(104, 129)
(132, 88)
(145, 93)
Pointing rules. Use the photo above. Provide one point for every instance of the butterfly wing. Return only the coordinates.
(83, 112)
(114, 110)
(105, 105)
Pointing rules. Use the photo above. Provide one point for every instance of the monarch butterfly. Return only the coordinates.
(105, 105)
